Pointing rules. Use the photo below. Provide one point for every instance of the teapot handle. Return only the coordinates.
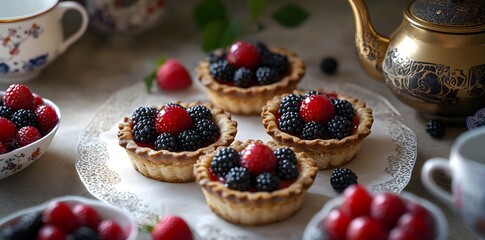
(70, 5)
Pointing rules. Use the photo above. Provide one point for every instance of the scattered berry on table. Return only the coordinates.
(208, 130)
(310, 93)
(343, 108)
(46, 118)
(166, 141)
(258, 158)
(172, 227)
(144, 131)
(243, 77)
(285, 154)
(222, 71)
(143, 113)
(86, 215)
(8, 131)
(172, 75)
(267, 182)
(266, 75)
(313, 130)
(291, 123)
(290, 103)
(328, 65)
(199, 112)
(317, 108)
(190, 140)
(341, 178)
(18, 96)
(238, 178)
(173, 119)
(6, 112)
(436, 128)
(243, 54)
(27, 135)
(24, 117)
(287, 170)
(224, 160)
(110, 230)
(339, 127)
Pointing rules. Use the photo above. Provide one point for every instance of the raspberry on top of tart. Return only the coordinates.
(243, 77)
(253, 183)
(329, 127)
(163, 143)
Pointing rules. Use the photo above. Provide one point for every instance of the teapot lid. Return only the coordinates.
(452, 16)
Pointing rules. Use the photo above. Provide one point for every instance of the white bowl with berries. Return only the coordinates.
(359, 214)
(28, 124)
(70, 217)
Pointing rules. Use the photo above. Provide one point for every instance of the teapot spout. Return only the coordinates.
(371, 46)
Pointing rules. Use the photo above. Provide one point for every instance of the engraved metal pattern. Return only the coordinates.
(450, 13)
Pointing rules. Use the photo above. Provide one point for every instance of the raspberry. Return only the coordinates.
(356, 201)
(365, 228)
(143, 113)
(290, 103)
(8, 131)
(199, 112)
(27, 135)
(243, 54)
(144, 131)
(23, 117)
(86, 215)
(436, 128)
(258, 158)
(172, 227)
(172, 119)
(285, 154)
(343, 108)
(243, 78)
(387, 208)
(339, 127)
(59, 214)
(341, 178)
(313, 130)
(189, 140)
(3, 149)
(208, 130)
(311, 92)
(6, 112)
(222, 71)
(238, 178)
(317, 108)
(291, 123)
(110, 230)
(266, 76)
(49, 232)
(335, 224)
(18, 96)
(46, 118)
(287, 170)
(328, 65)
(417, 225)
(166, 141)
(172, 75)
(37, 100)
(267, 182)
(277, 62)
(224, 160)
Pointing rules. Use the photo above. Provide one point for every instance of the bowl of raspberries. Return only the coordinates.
(28, 124)
(360, 214)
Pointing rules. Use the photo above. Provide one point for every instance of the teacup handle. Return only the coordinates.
(64, 6)
(430, 166)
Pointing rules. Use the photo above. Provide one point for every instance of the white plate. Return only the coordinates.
(385, 163)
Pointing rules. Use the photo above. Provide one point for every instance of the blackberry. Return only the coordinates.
(208, 130)
(285, 153)
(24, 117)
(310, 93)
(436, 128)
(328, 65)
(172, 104)
(290, 103)
(25, 228)
(342, 178)
(216, 56)
(243, 77)
(189, 140)
(144, 131)
(262, 48)
(143, 113)
(276, 61)
(266, 76)
(287, 170)
(339, 127)
(222, 71)
(6, 112)
(343, 108)
(238, 178)
(267, 182)
(166, 141)
(224, 160)
(83, 233)
(313, 130)
(199, 112)
(291, 123)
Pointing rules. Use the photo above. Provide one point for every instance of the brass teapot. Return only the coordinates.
(434, 61)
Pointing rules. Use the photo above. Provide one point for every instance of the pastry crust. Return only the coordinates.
(255, 208)
(328, 153)
(169, 166)
(249, 101)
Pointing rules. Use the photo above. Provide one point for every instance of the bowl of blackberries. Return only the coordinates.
(28, 124)
(70, 217)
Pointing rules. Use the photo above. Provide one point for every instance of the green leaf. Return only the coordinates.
(256, 7)
(148, 228)
(208, 11)
(232, 32)
(153, 75)
(290, 15)
(212, 34)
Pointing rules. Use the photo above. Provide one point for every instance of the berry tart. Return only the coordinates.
(242, 78)
(252, 183)
(328, 127)
(164, 143)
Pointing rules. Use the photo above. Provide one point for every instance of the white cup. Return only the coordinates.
(466, 167)
(32, 36)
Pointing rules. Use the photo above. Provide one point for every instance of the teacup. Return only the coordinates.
(32, 36)
(466, 167)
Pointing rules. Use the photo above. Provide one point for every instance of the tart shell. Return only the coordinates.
(255, 208)
(249, 101)
(176, 167)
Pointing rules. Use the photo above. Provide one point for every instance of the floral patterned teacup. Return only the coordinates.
(32, 36)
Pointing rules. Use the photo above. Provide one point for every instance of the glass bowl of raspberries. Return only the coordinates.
(28, 124)
(359, 214)
(70, 217)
